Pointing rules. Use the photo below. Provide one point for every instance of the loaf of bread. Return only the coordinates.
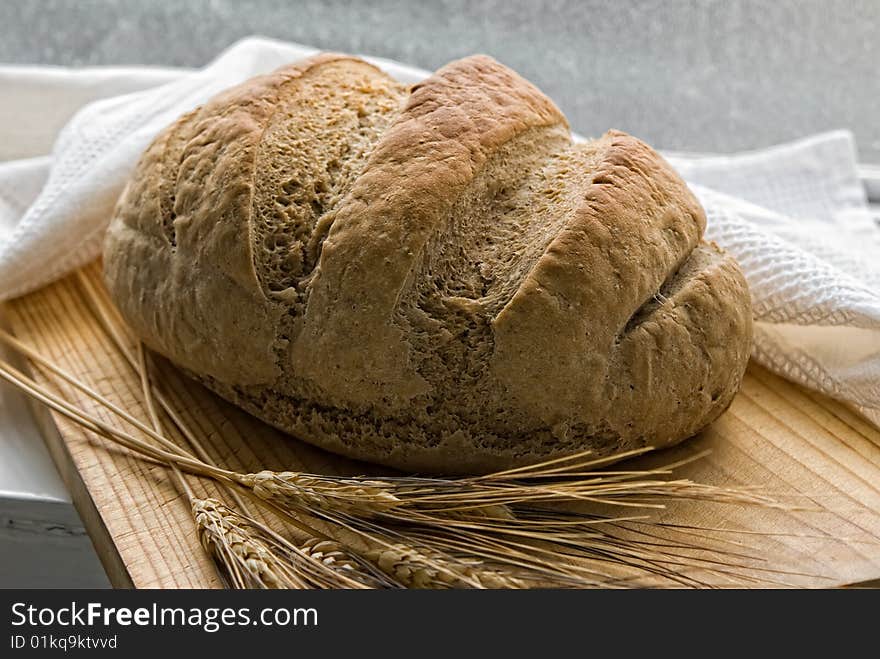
(433, 278)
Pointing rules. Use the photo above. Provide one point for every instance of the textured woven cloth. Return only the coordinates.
(795, 216)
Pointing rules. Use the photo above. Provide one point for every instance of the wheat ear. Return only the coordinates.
(244, 557)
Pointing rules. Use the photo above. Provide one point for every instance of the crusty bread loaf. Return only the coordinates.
(433, 278)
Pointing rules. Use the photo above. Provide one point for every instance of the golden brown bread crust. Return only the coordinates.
(435, 279)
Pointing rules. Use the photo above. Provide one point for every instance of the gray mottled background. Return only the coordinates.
(703, 75)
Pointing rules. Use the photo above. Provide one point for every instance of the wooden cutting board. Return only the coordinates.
(797, 445)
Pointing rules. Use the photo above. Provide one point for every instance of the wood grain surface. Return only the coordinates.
(803, 448)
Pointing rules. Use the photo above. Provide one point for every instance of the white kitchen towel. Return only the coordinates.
(795, 216)
(797, 220)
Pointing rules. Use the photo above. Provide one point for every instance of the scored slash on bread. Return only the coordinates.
(436, 278)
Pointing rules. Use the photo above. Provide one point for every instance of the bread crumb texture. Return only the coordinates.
(433, 278)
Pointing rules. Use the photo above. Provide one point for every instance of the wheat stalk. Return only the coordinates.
(330, 553)
(307, 491)
(246, 559)
(417, 568)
